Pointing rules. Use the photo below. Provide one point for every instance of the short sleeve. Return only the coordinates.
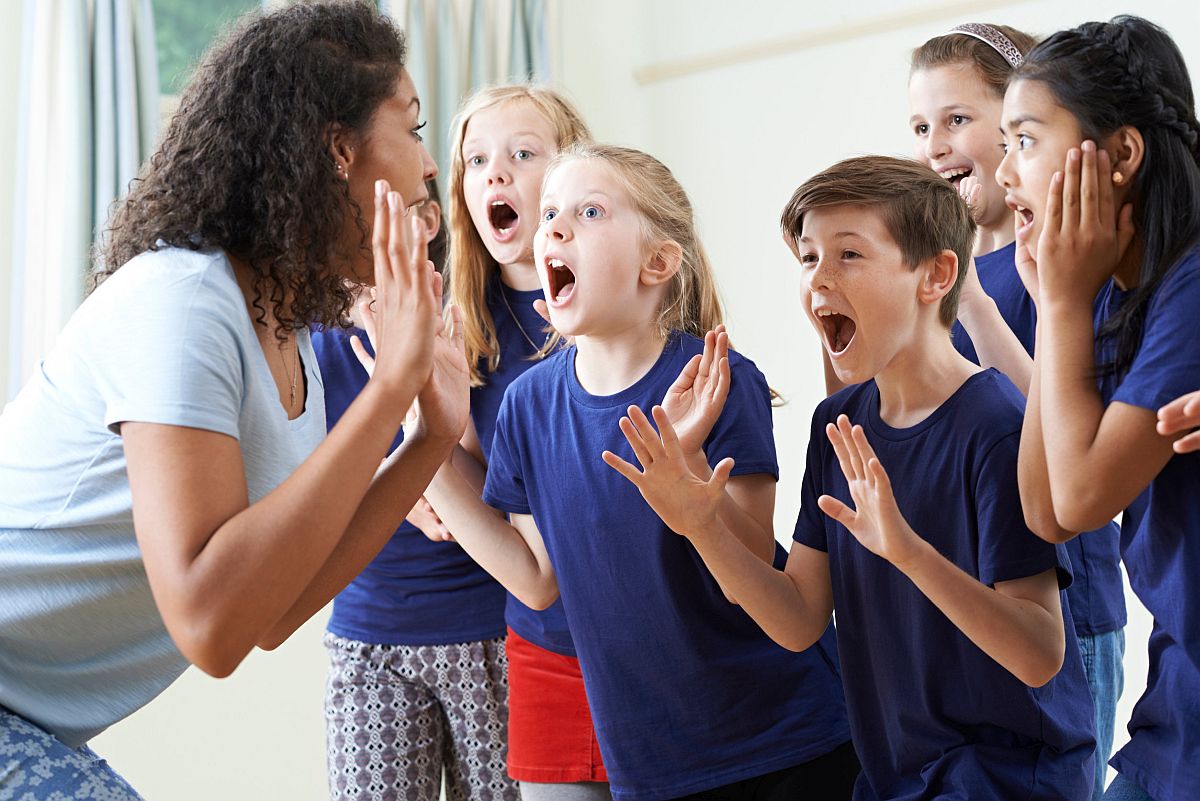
(504, 488)
(1167, 363)
(170, 346)
(745, 431)
(810, 524)
(1007, 549)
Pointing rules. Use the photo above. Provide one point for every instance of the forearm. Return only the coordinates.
(1024, 637)
(995, 343)
(1032, 474)
(792, 613)
(1071, 412)
(491, 540)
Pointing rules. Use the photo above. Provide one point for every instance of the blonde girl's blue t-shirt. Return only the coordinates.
(686, 691)
(415, 591)
(168, 340)
(933, 716)
(1097, 593)
(1160, 541)
(520, 334)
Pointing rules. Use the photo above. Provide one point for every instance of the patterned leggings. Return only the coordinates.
(397, 716)
(37, 766)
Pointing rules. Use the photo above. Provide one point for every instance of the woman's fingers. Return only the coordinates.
(360, 353)
(379, 232)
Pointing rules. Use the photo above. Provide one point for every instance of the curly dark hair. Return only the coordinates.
(245, 164)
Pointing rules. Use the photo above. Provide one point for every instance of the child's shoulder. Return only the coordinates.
(550, 369)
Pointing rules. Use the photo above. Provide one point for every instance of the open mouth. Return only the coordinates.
(503, 218)
(955, 175)
(838, 330)
(562, 281)
(1025, 215)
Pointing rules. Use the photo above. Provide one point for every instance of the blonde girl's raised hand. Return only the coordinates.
(875, 521)
(1181, 414)
(687, 504)
(695, 400)
(1084, 235)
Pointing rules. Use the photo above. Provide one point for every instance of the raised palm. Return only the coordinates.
(695, 400)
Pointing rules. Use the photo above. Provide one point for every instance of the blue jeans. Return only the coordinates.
(1124, 790)
(35, 765)
(1105, 671)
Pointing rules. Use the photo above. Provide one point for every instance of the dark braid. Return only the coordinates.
(1129, 72)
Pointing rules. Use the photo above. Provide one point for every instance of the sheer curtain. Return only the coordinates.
(87, 118)
(456, 46)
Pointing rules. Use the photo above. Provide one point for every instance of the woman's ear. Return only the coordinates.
(431, 212)
(1126, 150)
(341, 149)
(941, 273)
(663, 263)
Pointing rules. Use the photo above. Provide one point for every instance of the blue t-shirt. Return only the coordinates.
(1097, 593)
(416, 591)
(168, 340)
(933, 716)
(520, 333)
(1160, 543)
(686, 691)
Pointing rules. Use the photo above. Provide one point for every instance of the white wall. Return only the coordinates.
(10, 62)
(741, 138)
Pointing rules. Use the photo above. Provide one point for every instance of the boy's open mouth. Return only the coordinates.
(562, 280)
(838, 329)
(503, 218)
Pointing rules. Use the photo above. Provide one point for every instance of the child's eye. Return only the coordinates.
(475, 161)
(849, 254)
(418, 128)
(548, 215)
(523, 155)
(592, 212)
(808, 258)
(921, 129)
(1024, 141)
(958, 119)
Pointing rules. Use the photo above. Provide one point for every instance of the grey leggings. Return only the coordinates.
(575, 791)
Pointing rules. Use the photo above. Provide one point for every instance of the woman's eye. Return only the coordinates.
(592, 212)
(415, 131)
(523, 155)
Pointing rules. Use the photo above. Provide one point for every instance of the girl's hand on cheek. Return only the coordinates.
(1084, 235)
(1027, 266)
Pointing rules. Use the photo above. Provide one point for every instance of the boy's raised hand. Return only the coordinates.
(875, 521)
(695, 400)
(1179, 415)
(685, 502)
(1084, 235)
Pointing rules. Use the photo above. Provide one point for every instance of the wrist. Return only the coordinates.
(915, 558)
(975, 307)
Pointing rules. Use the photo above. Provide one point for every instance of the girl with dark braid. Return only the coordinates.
(1102, 172)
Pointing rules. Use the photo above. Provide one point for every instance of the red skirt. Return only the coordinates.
(550, 734)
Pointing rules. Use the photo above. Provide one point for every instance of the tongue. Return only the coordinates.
(565, 292)
(843, 334)
(503, 217)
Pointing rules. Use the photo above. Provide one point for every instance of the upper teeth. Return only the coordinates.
(954, 173)
(556, 264)
(826, 312)
(499, 203)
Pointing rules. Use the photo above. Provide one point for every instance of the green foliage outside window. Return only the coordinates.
(184, 29)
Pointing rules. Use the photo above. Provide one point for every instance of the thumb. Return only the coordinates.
(837, 510)
(720, 474)
(542, 309)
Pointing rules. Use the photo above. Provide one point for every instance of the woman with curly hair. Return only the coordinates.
(168, 495)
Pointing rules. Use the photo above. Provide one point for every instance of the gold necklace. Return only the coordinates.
(521, 328)
(292, 373)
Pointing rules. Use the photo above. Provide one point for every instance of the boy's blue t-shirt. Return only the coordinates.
(1097, 593)
(686, 691)
(520, 333)
(933, 716)
(1160, 542)
(415, 591)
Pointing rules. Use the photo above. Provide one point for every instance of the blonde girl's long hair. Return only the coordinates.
(691, 304)
(471, 267)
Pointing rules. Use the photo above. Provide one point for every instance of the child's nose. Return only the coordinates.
(1005, 174)
(936, 145)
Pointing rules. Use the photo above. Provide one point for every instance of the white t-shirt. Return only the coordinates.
(167, 339)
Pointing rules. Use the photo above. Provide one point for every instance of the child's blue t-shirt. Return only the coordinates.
(1160, 542)
(686, 691)
(933, 716)
(415, 591)
(520, 333)
(1097, 593)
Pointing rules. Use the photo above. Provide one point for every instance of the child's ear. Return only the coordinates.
(663, 263)
(1126, 150)
(941, 273)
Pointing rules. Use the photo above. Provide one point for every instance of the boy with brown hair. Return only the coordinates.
(962, 680)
